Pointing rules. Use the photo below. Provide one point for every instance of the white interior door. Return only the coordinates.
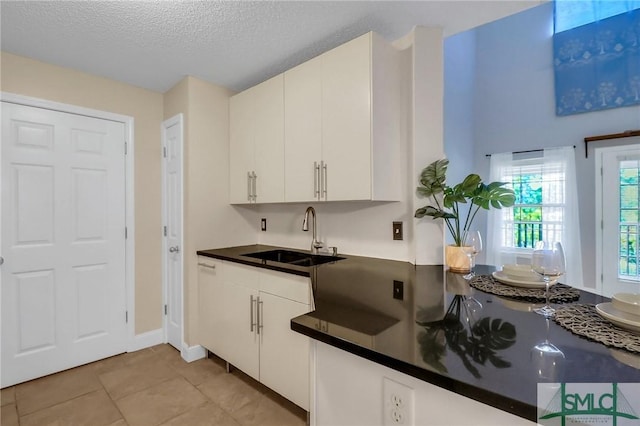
(63, 241)
(173, 258)
(619, 260)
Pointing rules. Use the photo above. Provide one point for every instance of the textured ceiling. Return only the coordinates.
(235, 44)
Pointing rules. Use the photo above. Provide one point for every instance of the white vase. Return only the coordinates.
(456, 259)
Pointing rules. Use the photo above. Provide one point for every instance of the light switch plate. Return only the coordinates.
(397, 231)
(263, 223)
(398, 290)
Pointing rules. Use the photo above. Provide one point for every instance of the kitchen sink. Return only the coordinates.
(293, 257)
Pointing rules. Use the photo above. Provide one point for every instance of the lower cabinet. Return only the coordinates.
(244, 318)
(351, 390)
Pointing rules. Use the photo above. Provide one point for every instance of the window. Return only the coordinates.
(539, 208)
(629, 221)
(545, 209)
(571, 13)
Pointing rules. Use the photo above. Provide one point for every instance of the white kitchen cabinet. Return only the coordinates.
(284, 354)
(342, 124)
(211, 299)
(303, 131)
(244, 317)
(256, 152)
(348, 386)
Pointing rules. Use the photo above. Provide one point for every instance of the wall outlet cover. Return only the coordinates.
(398, 403)
(263, 224)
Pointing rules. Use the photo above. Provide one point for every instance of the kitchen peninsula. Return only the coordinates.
(385, 315)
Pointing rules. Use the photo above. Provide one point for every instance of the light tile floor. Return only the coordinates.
(150, 387)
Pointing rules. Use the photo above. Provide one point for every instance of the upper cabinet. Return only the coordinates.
(342, 124)
(303, 131)
(342, 138)
(256, 154)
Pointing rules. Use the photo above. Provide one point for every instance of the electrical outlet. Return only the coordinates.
(263, 223)
(398, 404)
(397, 230)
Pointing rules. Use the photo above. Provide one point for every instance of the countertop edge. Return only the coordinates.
(483, 396)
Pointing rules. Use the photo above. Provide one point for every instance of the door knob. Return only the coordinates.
(174, 249)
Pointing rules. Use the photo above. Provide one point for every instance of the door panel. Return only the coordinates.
(63, 223)
(33, 206)
(89, 198)
(35, 296)
(173, 143)
(90, 297)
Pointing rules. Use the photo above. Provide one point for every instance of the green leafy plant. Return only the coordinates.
(447, 200)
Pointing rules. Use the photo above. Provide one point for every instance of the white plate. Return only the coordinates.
(518, 305)
(619, 318)
(505, 279)
(632, 360)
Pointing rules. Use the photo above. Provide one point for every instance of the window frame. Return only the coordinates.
(532, 163)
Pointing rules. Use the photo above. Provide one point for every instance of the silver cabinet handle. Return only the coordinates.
(259, 314)
(204, 265)
(251, 303)
(324, 179)
(249, 186)
(316, 178)
(255, 192)
(174, 249)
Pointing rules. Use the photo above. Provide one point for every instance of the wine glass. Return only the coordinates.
(547, 358)
(472, 246)
(548, 261)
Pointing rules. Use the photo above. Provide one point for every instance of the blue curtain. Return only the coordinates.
(597, 65)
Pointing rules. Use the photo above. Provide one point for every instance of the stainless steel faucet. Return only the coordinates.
(315, 244)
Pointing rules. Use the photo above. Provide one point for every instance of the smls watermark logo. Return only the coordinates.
(562, 404)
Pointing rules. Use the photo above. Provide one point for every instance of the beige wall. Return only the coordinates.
(209, 220)
(27, 77)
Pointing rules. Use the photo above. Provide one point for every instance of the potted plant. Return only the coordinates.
(446, 204)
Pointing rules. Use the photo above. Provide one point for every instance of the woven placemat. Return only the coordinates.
(584, 320)
(558, 293)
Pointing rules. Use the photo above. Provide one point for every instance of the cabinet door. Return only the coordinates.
(241, 146)
(209, 303)
(268, 121)
(236, 312)
(284, 354)
(302, 130)
(346, 120)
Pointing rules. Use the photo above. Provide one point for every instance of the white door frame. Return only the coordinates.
(176, 119)
(598, 152)
(129, 190)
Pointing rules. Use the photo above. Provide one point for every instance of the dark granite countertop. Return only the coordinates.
(355, 310)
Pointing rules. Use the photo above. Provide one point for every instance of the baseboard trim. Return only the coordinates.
(193, 353)
(146, 340)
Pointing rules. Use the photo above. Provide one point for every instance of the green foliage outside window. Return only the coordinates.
(527, 211)
(629, 212)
